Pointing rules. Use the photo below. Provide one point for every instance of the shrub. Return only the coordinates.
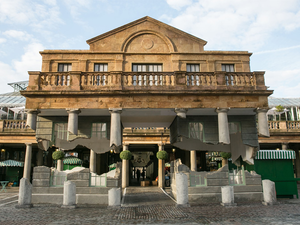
(225, 155)
(125, 155)
(58, 155)
(162, 155)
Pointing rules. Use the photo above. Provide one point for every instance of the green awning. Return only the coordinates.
(275, 154)
(72, 161)
(11, 163)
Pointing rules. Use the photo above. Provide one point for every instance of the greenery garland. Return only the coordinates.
(125, 155)
(162, 155)
(58, 155)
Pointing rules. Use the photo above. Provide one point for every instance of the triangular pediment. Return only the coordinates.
(146, 35)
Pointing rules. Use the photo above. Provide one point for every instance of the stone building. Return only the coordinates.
(146, 74)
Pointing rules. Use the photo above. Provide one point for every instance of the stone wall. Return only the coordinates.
(211, 193)
(42, 192)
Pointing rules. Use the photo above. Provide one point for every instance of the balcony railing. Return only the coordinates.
(75, 81)
(14, 126)
(284, 126)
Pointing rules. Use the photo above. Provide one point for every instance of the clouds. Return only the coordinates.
(237, 24)
(178, 4)
(16, 34)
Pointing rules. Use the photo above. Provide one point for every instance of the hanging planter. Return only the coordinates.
(162, 155)
(57, 155)
(126, 155)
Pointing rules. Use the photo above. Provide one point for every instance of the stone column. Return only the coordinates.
(93, 156)
(60, 164)
(31, 118)
(263, 126)
(25, 194)
(125, 170)
(269, 192)
(73, 120)
(40, 159)
(223, 126)
(27, 162)
(284, 146)
(69, 200)
(182, 198)
(115, 129)
(181, 112)
(227, 196)
(193, 161)
(114, 197)
(161, 169)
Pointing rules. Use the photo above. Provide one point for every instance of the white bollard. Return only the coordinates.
(182, 190)
(269, 192)
(69, 195)
(25, 191)
(114, 197)
(227, 196)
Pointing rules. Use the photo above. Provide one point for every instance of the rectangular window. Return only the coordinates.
(60, 131)
(147, 67)
(192, 68)
(100, 67)
(228, 67)
(64, 67)
(196, 131)
(99, 130)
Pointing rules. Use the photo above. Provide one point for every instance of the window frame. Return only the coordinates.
(104, 67)
(65, 131)
(230, 66)
(195, 66)
(203, 133)
(99, 131)
(146, 67)
(67, 65)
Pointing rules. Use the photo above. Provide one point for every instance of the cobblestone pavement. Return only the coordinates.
(287, 211)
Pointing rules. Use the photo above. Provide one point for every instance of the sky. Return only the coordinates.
(270, 29)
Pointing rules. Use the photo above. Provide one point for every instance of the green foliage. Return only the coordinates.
(279, 108)
(125, 155)
(225, 155)
(58, 155)
(162, 155)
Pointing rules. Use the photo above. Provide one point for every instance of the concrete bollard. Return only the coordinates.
(69, 200)
(227, 196)
(269, 192)
(25, 191)
(114, 197)
(182, 190)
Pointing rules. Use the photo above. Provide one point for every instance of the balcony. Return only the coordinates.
(284, 126)
(15, 127)
(146, 81)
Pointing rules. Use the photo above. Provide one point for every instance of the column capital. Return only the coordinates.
(222, 110)
(261, 110)
(115, 110)
(32, 111)
(181, 112)
(77, 111)
(28, 144)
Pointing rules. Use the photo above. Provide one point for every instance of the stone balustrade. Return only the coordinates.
(180, 80)
(284, 126)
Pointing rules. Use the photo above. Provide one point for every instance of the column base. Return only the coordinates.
(183, 205)
(24, 206)
(68, 206)
(269, 203)
(228, 204)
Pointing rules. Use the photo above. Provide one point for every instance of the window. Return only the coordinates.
(60, 131)
(100, 67)
(228, 67)
(192, 68)
(99, 130)
(196, 131)
(147, 67)
(64, 67)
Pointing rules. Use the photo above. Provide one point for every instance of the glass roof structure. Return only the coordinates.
(12, 99)
(285, 102)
